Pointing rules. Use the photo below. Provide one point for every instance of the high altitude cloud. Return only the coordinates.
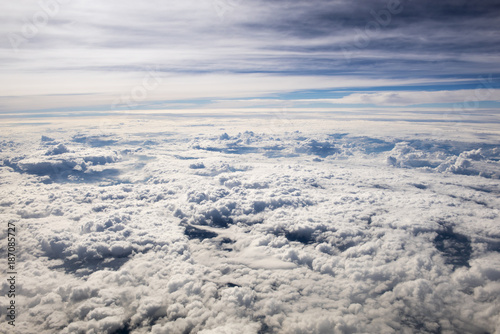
(100, 51)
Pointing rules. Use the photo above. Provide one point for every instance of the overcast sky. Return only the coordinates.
(120, 55)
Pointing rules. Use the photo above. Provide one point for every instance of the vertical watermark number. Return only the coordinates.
(11, 272)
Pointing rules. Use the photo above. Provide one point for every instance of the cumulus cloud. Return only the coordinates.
(292, 232)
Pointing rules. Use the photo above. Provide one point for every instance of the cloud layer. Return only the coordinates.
(76, 54)
(224, 228)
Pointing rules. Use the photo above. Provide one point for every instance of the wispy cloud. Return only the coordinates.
(407, 98)
(101, 49)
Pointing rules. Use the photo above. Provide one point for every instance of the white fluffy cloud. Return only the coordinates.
(226, 229)
(398, 98)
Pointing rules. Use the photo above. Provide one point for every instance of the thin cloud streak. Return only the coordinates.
(96, 89)
(106, 45)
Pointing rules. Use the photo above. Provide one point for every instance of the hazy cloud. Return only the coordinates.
(103, 50)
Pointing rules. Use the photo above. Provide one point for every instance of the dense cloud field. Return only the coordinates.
(146, 226)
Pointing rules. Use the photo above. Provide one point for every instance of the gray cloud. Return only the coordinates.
(419, 40)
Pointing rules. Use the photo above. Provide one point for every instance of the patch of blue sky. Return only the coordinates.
(468, 105)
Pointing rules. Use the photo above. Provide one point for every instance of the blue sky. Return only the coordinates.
(62, 55)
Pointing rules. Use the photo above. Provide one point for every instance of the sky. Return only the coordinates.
(266, 167)
(114, 56)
